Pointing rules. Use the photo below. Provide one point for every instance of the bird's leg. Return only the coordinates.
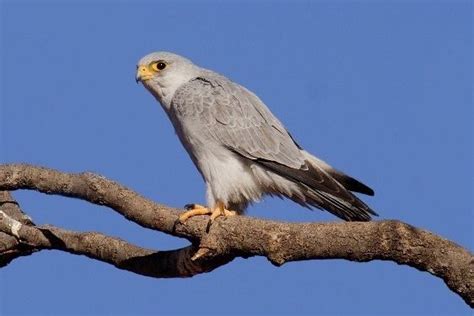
(220, 210)
(193, 210)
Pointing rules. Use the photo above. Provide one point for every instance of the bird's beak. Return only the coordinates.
(143, 73)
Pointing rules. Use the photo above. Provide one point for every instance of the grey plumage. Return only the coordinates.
(240, 148)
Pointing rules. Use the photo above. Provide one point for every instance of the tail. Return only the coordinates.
(347, 182)
(325, 188)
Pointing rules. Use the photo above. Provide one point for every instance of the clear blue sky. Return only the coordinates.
(381, 90)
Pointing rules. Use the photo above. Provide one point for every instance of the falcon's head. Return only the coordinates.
(162, 73)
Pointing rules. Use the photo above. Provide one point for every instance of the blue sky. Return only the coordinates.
(381, 90)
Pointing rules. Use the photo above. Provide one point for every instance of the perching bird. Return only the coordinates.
(241, 149)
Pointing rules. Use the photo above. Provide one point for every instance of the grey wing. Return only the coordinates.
(235, 118)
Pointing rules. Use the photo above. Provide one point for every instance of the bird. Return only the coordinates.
(242, 151)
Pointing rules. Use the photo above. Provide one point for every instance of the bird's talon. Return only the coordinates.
(208, 226)
(217, 213)
(229, 213)
(176, 222)
(194, 206)
(194, 210)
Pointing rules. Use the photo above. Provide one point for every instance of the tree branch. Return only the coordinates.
(121, 254)
(10, 247)
(230, 237)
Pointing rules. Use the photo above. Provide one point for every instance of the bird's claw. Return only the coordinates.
(196, 209)
(194, 206)
(193, 210)
(217, 213)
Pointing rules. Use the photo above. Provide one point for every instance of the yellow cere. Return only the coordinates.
(145, 72)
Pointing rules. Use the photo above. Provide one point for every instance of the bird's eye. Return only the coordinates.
(159, 65)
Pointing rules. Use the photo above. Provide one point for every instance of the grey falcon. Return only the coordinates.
(241, 149)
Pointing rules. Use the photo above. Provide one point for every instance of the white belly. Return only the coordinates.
(228, 178)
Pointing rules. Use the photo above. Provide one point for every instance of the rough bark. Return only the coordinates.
(238, 236)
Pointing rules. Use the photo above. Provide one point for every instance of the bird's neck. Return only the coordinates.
(166, 88)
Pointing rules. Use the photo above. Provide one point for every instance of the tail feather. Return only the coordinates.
(340, 208)
(320, 186)
(322, 191)
(346, 181)
(350, 183)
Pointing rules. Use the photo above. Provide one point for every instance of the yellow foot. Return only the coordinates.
(196, 209)
(193, 210)
(219, 210)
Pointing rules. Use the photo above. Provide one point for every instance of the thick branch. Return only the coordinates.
(90, 187)
(279, 242)
(121, 254)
